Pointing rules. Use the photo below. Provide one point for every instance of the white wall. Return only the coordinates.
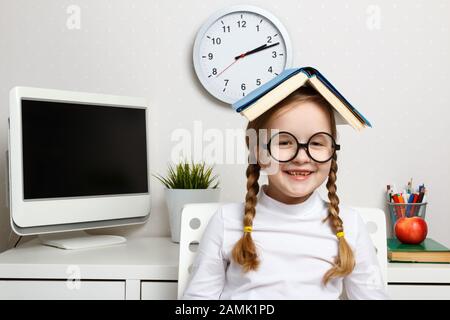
(397, 75)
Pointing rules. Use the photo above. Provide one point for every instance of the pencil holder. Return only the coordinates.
(401, 210)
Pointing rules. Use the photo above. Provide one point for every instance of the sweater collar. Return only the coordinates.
(313, 204)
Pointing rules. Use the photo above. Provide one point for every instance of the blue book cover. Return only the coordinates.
(253, 96)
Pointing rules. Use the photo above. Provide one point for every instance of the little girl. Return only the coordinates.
(285, 242)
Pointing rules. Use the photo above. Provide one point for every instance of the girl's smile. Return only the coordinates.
(298, 174)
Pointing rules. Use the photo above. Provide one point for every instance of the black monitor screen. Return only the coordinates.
(78, 150)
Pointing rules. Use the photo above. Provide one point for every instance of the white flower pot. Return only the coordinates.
(177, 198)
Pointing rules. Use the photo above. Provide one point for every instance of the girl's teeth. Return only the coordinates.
(299, 173)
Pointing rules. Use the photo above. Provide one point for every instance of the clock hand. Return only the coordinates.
(227, 67)
(235, 60)
(263, 47)
(260, 48)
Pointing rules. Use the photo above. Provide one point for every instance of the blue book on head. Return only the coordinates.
(313, 75)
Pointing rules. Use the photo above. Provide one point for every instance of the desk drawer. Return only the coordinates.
(419, 291)
(61, 290)
(159, 290)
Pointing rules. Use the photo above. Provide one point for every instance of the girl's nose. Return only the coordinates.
(302, 156)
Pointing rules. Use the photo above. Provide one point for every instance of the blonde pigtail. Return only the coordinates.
(345, 261)
(244, 251)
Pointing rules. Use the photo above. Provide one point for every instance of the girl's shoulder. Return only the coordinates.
(348, 214)
(231, 211)
(227, 222)
(230, 217)
(227, 216)
(353, 222)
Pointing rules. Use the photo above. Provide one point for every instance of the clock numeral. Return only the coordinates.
(226, 84)
(216, 40)
(258, 82)
(257, 28)
(274, 54)
(270, 69)
(269, 39)
(242, 24)
(226, 28)
(214, 71)
(210, 56)
(243, 87)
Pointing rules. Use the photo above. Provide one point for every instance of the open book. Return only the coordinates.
(265, 97)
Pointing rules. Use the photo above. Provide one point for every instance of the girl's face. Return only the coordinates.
(302, 119)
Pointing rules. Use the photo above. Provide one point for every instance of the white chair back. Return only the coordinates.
(375, 220)
(195, 218)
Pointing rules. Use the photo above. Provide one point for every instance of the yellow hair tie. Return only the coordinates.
(248, 229)
(340, 234)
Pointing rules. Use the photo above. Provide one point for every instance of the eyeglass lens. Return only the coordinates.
(283, 147)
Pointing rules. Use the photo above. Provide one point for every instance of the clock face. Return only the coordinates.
(238, 50)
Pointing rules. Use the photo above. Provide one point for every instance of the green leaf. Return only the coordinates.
(185, 175)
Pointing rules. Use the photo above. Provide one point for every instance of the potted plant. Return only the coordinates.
(187, 183)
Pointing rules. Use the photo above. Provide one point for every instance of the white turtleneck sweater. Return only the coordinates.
(295, 249)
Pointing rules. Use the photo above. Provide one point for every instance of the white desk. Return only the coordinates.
(419, 281)
(141, 268)
(147, 268)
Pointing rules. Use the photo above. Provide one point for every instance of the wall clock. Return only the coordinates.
(238, 49)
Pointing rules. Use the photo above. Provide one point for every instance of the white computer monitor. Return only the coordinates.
(76, 161)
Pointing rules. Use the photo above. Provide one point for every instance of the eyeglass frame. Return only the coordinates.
(303, 145)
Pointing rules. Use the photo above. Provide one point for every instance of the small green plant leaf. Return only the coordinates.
(187, 175)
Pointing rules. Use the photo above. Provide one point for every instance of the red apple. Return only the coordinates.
(412, 230)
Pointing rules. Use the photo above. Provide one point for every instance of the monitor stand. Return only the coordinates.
(74, 240)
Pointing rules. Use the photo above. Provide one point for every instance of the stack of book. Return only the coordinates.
(427, 251)
(265, 97)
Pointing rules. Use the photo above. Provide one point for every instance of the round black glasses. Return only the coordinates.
(284, 146)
